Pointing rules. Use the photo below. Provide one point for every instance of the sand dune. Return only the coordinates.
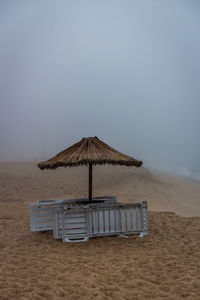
(163, 265)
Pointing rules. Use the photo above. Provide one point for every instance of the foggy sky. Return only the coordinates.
(126, 71)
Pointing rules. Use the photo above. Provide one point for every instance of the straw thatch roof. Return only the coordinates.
(89, 150)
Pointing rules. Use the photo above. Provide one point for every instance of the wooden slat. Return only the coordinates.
(117, 220)
(40, 215)
(74, 220)
(101, 221)
(89, 222)
(72, 214)
(134, 218)
(95, 221)
(129, 219)
(80, 221)
(112, 220)
(74, 231)
(44, 220)
(78, 225)
(106, 220)
(43, 226)
(139, 218)
(123, 220)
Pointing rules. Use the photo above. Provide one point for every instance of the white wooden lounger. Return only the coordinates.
(41, 213)
(79, 224)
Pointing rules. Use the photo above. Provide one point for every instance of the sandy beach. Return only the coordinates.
(163, 265)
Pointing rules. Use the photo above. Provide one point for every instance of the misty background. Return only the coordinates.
(123, 70)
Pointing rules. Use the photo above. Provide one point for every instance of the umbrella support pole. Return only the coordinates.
(90, 183)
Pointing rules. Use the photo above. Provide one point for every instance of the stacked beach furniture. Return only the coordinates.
(78, 220)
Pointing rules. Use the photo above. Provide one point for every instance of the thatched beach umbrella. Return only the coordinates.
(89, 151)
